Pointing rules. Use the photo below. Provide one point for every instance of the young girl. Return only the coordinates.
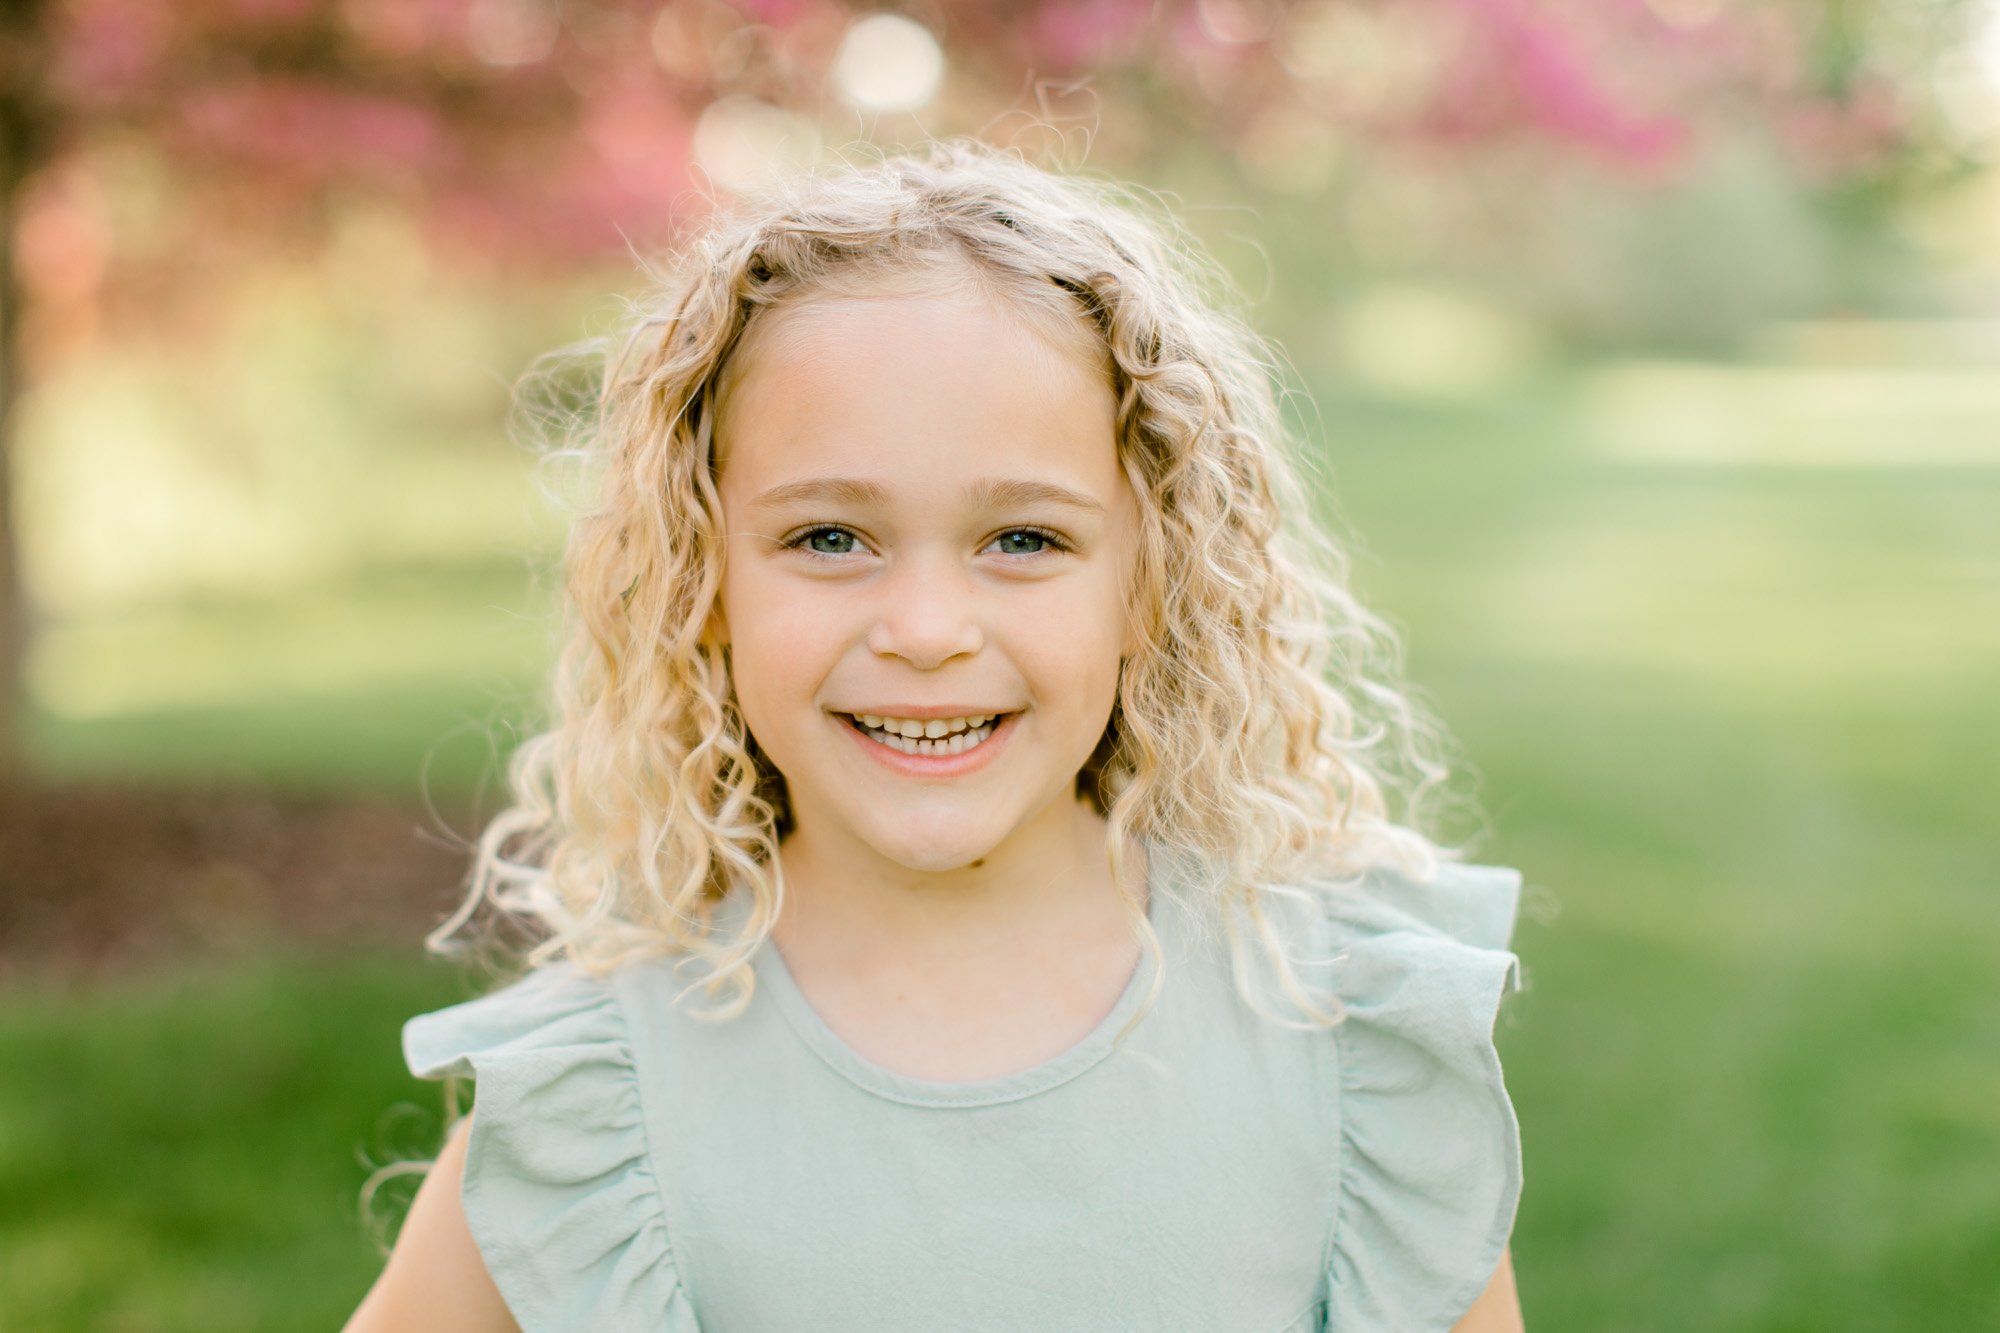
(957, 682)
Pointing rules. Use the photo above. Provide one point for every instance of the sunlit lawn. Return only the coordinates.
(410, 683)
(1735, 723)
(184, 1152)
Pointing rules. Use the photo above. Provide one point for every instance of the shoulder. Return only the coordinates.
(1424, 959)
(558, 1186)
(436, 1279)
(554, 1004)
(1429, 1158)
(1469, 904)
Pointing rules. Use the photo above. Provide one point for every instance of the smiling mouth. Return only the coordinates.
(957, 742)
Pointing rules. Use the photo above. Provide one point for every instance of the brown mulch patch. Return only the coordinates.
(99, 878)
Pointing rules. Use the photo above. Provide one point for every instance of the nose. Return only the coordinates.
(928, 613)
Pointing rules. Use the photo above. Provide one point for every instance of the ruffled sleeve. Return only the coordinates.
(559, 1188)
(1429, 1169)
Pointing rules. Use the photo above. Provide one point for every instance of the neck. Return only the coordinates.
(1048, 883)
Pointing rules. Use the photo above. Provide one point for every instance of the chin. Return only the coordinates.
(939, 850)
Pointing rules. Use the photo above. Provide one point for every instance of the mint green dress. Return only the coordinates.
(635, 1168)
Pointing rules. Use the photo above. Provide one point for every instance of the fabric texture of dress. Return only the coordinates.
(634, 1167)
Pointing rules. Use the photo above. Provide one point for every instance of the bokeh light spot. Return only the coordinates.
(888, 63)
(511, 32)
(1238, 22)
(742, 143)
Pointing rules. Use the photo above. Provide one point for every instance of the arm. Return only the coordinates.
(1498, 1310)
(435, 1280)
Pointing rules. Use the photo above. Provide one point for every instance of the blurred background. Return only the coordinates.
(1650, 350)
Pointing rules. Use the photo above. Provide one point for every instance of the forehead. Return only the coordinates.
(912, 388)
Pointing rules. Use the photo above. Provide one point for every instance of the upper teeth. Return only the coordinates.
(933, 727)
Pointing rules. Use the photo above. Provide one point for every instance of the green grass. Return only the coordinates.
(184, 1150)
(410, 682)
(1753, 1062)
(1735, 724)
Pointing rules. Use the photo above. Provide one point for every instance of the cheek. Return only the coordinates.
(765, 607)
(1072, 646)
(775, 639)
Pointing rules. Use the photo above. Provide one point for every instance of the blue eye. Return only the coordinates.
(844, 541)
(1047, 539)
(799, 542)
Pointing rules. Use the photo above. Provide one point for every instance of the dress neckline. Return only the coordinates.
(865, 1074)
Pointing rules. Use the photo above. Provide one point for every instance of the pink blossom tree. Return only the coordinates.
(539, 131)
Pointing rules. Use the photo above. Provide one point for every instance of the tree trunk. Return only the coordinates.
(26, 136)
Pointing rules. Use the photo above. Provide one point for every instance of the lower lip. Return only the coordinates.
(934, 765)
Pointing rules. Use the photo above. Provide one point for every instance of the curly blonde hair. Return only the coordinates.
(1260, 732)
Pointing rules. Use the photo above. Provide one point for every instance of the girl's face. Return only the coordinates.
(926, 519)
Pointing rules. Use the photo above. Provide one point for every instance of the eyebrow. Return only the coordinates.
(989, 492)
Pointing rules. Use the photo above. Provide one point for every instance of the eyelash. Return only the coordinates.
(797, 541)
